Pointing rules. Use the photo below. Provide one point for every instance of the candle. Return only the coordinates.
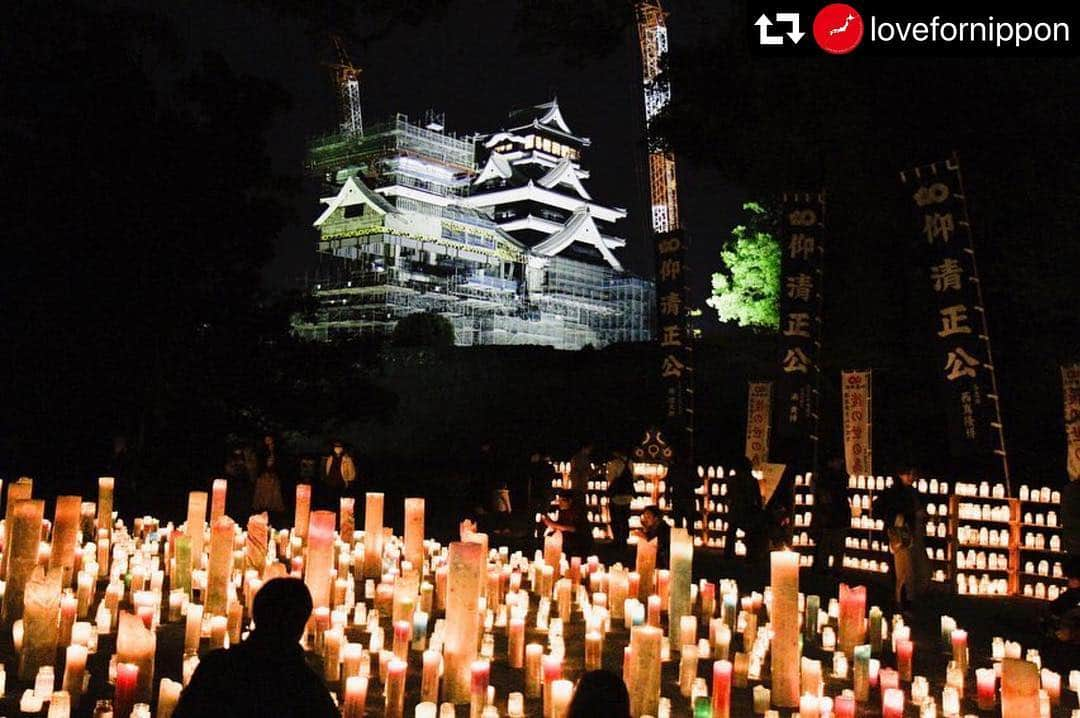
(681, 562)
(21, 552)
(809, 624)
(515, 705)
(516, 642)
(740, 669)
(373, 541)
(959, 649)
(219, 626)
(168, 697)
(811, 680)
(875, 629)
(986, 685)
(533, 654)
(355, 696)
(653, 610)
(1051, 683)
(852, 617)
(721, 689)
(480, 672)
(861, 668)
(761, 698)
(950, 701)
(593, 650)
(135, 645)
(347, 519)
(220, 568)
(808, 706)
(920, 689)
(105, 503)
(785, 621)
(561, 692)
(127, 676)
(18, 491)
(39, 618)
(196, 524)
(303, 512)
(395, 688)
(645, 688)
(217, 499)
(644, 567)
(193, 628)
(904, 651)
(257, 543)
(467, 562)
(688, 664)
(429, 684)
(892, 704)
(74, 670)
(414, 532)
(687, 630)
(844, 705)
(552, 670)
(319, 558)
(65, 534)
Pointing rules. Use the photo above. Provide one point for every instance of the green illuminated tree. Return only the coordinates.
(747, 289)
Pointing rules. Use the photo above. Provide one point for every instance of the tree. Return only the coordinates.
(423, 330)
(747, 289)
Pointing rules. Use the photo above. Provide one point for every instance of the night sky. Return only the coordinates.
(469, 63)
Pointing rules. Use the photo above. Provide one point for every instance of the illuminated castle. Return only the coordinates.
(496, 232)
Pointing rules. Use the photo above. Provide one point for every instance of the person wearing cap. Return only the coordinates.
(266, 674)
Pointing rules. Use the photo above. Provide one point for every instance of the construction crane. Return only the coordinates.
(347, 79)
(653, 36)
(674, 333)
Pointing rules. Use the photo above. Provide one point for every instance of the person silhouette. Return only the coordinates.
(266, 674)
(600, 693)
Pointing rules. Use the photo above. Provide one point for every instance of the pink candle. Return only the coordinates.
(402, 636)
(628, 665)
(721, 687)
(986, 681)
(395, 688)
(127, 676)
(654, 610)
(663, 584)
(355, 696)
(844, 705)
(68, 606)
(904, 651)
(892, 705)
(708, 600)
(852, 617)
(633, 584)
(960, 649)
(478, 687)
(552, 672)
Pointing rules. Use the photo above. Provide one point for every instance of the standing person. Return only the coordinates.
(266, 673)
(581, 469)
(832, 516)
(779, 509)
(680, 482)
(746, 512)
(902, 511)
(620, 491)
(572, 523)
(654, 527)
(268, 495)
(267, 451)
(542, 476)
(339, 472)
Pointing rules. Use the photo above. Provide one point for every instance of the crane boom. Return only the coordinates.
(652, 35)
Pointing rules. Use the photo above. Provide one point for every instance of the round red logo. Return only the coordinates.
(838, 28)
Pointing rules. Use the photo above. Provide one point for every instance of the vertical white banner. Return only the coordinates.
(857, 390)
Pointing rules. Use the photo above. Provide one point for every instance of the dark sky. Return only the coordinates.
(469, 64)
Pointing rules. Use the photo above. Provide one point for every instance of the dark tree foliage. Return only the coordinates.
(138, 217)
(423, 329)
